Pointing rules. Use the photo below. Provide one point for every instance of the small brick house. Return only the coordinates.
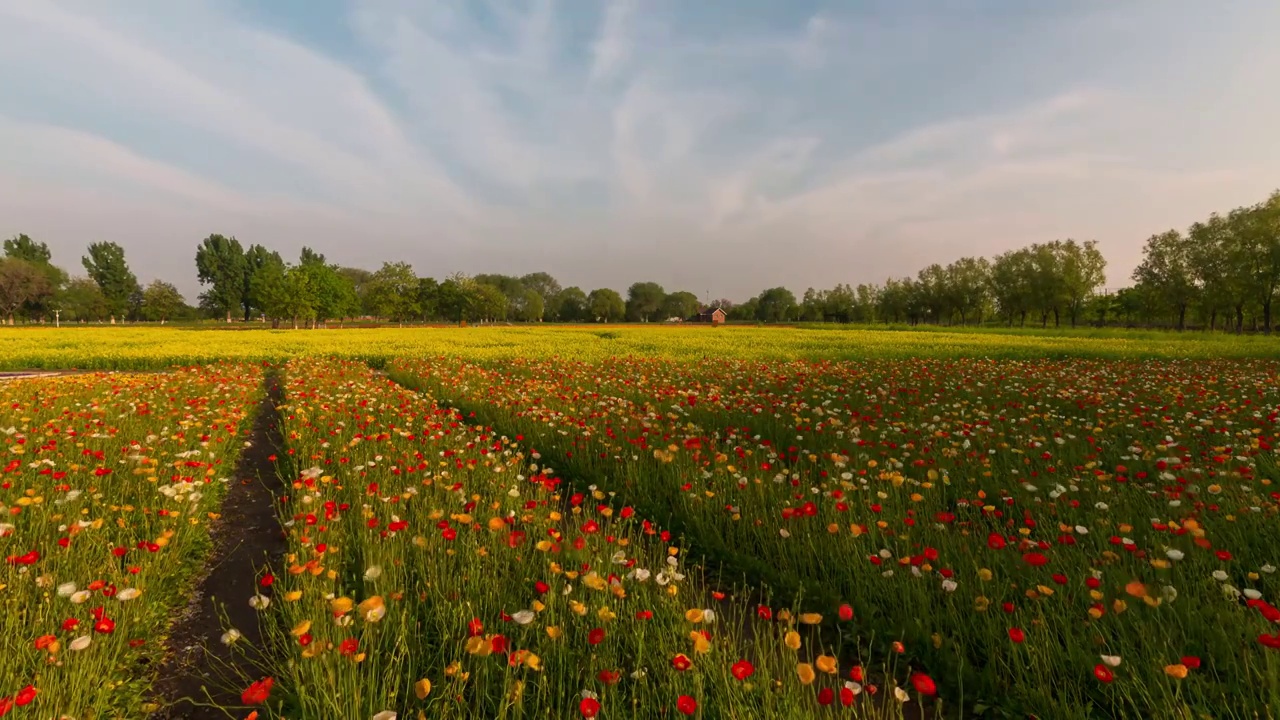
(712, 316)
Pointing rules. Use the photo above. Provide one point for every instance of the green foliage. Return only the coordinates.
(21, 282)
(605, 305)
(392, 292)
(106, 266)
(571, 306)
(162, 301)
(81, 299)
(644, 301)
(221, 264)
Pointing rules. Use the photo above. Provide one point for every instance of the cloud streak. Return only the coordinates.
(731, 145)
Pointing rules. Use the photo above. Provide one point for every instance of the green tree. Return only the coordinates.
(284, 292)
(335, 296)
(531, 309)
(486, 302)
(162, 301)
(1083, 270)
(1012, 284)
(606, 305)
(221, 264)
(428, 298)
(359, 279)
(571, 305)
(1167, 272)
(776, 305)
(393, 292)
(22, 247)
(311, 257)
(106, 266)
(548, 288)
(21, 282)
(257, 260)
(644, 301)
(453, 300)
(81, 299)
(680, 304)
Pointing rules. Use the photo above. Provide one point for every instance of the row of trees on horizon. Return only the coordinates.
(1222, 272)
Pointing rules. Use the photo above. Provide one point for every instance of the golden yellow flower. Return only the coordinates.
(693, 615)
(479, 646)
(811, 618)
(554, 631)
(805, 672)
(826, 664)
(701, 644)
(984, 574)
(422, 688)
(301, 628)
(1176, 671)
(341, 606)
(792, 639)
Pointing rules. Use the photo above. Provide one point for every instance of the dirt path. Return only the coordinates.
(199, 671)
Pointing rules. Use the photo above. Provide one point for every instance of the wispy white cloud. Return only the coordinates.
(684, 142)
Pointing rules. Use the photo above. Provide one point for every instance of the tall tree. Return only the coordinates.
(285, 293)
(776, 305)
(20, 282)
(547, 287)
(335, 296)
(644, 300)
(393, 292)
(1167, 270)
(81, 299)
(681, 304)
(22, 247)
(1083, 270)
(257, 260)
(221, 264)
(106, 266)
(571, 305)
(606, 305)
(453, 299)
(359, 278)
(161, 301)
(428, 298)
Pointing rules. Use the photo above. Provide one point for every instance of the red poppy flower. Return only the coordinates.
(1016, 635)
(104, 626)
(258, 692)
(1191, 661)
(742, 669)
(1271, 641)
(846, 696)
(681, 662)
(25, 696)
(923, 684)
(589, 707)
(686, 705)
(596, 636)
(826, 696)
(349, 646)
(609, 677)
(475, 627)
(1035, 559)
(846, 613)
(1103, 673)
(855, 673)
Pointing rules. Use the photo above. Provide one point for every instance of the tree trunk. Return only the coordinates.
(1266, 316)
(1182, 317)
(228, 315)
(1240, 319)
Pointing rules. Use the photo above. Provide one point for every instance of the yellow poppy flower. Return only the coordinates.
(301, 628)
(811, 618)
(805, 672)
(826, 664)
(422, 688)
(792, 639)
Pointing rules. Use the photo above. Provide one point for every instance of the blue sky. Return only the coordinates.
(719, 146)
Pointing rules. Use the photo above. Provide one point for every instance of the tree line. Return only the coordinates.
(1223, 272)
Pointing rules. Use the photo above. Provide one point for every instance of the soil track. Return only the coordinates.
(199, 670)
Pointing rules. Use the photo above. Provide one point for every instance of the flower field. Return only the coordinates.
(107, 483)
(483, 532)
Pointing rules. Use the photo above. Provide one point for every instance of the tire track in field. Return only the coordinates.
(200, 674)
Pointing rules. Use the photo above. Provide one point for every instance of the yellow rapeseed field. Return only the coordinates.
(135, 347)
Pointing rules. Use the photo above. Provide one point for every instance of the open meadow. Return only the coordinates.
(638, 522)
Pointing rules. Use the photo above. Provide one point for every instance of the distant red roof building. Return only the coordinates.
(714, 316)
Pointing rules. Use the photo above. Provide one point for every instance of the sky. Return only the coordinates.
(715, 146)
